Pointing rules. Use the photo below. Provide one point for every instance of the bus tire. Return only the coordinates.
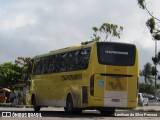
(35, 106)
(69, 104)
(107, 112)
(77, 111)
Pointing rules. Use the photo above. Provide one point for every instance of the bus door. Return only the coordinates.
(113, 89)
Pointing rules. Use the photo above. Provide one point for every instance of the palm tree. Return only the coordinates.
(147, 72)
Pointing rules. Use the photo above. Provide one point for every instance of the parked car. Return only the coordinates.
(4, 92)
(151, 97)
(2, 98)
(158, 99)
(12, 96)
(142, 99)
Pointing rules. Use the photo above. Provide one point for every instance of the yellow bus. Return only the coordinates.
(99, 75)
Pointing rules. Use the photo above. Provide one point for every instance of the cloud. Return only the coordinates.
(16, 22)
(35, 27)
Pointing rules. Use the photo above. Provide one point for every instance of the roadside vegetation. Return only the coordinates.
(12, 73)
(150, 72)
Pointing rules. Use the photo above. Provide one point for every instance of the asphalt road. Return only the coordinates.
(58, 114)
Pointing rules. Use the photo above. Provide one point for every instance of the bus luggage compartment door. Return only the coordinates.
(113, 89)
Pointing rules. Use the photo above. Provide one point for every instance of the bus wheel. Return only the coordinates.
(77, 111)
(108, 112)
(35, 107)
(69, 104)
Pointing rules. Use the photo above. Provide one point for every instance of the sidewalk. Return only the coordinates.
(11, 105)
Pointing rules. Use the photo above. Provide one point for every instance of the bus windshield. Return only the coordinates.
(117, 54)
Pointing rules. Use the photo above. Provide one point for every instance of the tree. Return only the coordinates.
(158, 86)
(11, 73)
(23, 62)
(156, 59)
(146, 88)
(105, 32)
(147, 72)
(152, 23)
(154, 71)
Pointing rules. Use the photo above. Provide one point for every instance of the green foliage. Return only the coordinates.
(158, 56)
(147, 72)
(157, 36)
(87, 42)
(104, 32)
(111, 29)
(151, 24)
(141, 3)
(155, 60)
(23, 62)
(158, 86)
(11, 73)
(154, 71)
(146, 88)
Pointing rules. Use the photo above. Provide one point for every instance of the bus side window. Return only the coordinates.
(45, 65)
(68, 61)
(76, 56)
(37, 66)
(73, 60)
(84, 58)
(64, 62)
(51, 66)
(57, 62)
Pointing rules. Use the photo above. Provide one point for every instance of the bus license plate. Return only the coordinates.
(115, 100)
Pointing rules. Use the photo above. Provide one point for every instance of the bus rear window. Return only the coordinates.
(118, 54)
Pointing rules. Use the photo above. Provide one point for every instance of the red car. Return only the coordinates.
(2, 98)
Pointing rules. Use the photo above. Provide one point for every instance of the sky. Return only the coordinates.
(33, 27)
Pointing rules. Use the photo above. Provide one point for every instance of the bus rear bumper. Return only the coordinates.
(114, 102)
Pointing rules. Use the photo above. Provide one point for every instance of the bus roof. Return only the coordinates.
(67, 49)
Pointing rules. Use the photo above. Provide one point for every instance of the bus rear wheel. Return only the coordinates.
(69, 104)
(107, 111)
(35, 106)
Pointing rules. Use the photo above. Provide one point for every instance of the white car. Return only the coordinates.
(142, 99)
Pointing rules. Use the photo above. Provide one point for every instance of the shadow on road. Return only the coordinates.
(67, 115)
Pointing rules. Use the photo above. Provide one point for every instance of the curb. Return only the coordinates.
(5, 105)
(17, 106)
(23, 106)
